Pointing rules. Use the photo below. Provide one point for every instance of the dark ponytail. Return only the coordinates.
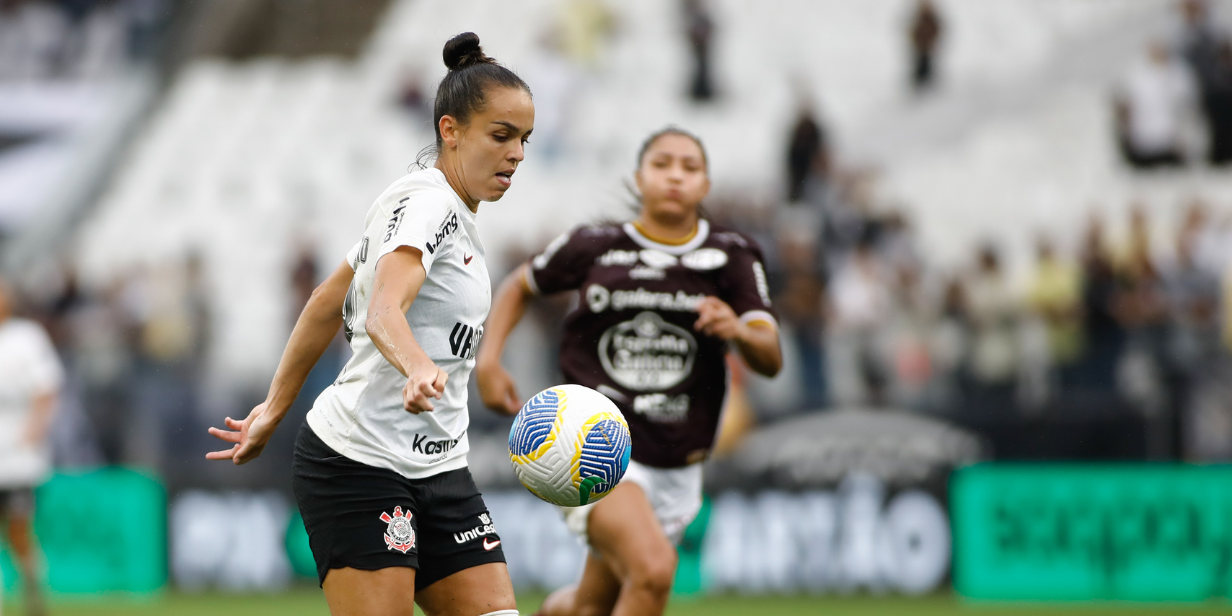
(464, 89)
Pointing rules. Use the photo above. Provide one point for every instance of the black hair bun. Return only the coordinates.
(463, 50)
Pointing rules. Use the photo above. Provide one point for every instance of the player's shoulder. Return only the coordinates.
(24, 331)
(730, 240)
(422, 189)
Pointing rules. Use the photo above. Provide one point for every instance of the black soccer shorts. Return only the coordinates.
(371, 518)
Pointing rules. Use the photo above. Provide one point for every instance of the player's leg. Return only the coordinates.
(475, 591)
(383, 592)
(629, 538)
(594, 595)
(362, 528)
(20, 509)
(462, 563)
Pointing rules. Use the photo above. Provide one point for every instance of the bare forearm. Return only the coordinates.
(507, 311)
(41, 409)
(759, 346)
(315, 329)
(392, 336)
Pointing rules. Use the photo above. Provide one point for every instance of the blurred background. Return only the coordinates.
(998, 234)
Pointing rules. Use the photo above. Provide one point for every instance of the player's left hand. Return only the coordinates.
(249, 436)
(716, 318)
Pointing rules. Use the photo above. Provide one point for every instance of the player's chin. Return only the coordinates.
(495, 192)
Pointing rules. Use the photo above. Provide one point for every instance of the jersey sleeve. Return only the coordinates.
(563, 264)
(744, 285)
(44, 368)
(423, 219)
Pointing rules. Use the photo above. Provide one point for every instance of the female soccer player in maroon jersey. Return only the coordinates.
(662, 298)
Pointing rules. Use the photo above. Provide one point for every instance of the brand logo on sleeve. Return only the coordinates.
(447, 227)
(395, 221)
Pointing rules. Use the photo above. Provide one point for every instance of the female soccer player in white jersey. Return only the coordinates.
(662, 298)
(380, 469)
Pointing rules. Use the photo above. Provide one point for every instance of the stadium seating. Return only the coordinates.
(244, 163)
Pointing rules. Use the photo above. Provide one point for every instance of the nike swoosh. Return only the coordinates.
(490, 546)
(467, 261)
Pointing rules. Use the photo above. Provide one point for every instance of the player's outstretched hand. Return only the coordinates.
(422, 385)
(249, 436)
(497, 389)
(716, 318)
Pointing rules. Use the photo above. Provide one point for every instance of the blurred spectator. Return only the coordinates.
(1102, 319)
(30, 379)
(925, 33)
(555, 81)
(807, 157)
(1156, 93)
(31, 33)
(1202, 45)
(699, 26)
(584, 25)
(860, 305)
(1054, 295)
(411, 96)
(993, 312)
(1217, 104)
(800, 297)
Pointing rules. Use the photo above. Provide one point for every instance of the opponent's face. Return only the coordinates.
(487, 150)
(672, 178)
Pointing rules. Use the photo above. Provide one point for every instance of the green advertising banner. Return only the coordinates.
(99, 531)
(1134, 532)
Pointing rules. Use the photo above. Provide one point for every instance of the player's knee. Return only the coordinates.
(655, 572)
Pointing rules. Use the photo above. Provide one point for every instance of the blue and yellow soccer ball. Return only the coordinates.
(569, 445)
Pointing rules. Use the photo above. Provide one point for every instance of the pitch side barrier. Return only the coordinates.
(1071, 532)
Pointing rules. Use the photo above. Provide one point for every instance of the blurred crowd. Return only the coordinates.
(1174, 105)
(75, 39)
(1124, 316)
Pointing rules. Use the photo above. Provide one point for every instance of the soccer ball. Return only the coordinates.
(569, 445)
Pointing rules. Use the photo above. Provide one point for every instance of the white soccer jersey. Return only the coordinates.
(29, 368)
(361, 415)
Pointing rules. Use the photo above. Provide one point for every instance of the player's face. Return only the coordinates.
(493, 143)
(673, 178)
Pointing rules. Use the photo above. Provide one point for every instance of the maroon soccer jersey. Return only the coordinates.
(631, 335)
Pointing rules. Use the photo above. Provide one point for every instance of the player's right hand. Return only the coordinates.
(249, 436)
(422, 385)
(497, 389)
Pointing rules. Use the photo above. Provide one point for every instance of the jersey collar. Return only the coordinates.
(703, 231)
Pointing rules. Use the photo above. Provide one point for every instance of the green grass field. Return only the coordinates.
(310, 602)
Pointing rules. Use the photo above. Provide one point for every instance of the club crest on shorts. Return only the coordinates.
(399, 535)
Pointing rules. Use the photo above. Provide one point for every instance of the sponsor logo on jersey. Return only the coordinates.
(759, 276)
(704, 259)
(486, 527)
(395, 221)
(598, 298)
(464, 340)
(447, 226)
(490, 545)
(647, 353)
(625, 258)
(657, 258)
(466, 259)
(399, 535)
(421, 444)
(662, 408)
(647, 273)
